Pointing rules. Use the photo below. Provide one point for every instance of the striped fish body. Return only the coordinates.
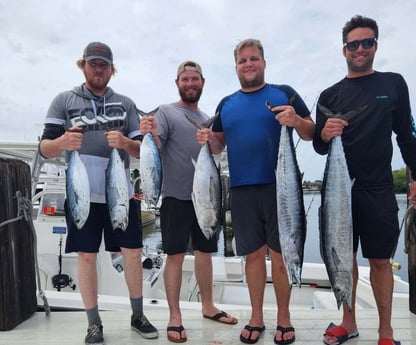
(206, 193)
(117, 191)
(150, 170)
(290, 207)
(336, 232)
(77, 190)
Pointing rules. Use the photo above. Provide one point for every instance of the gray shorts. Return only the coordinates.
(375, 222)
(254, 218)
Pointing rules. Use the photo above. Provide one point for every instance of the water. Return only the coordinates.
(152, 236)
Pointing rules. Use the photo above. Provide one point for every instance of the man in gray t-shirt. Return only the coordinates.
(93, 120)
(176, 138)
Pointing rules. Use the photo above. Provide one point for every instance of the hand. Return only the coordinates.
(115, 139)
(286, 115)
(72, 139)
(333, 127)
(148, 124)
(203, 135)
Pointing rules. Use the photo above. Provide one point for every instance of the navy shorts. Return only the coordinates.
(375, 222)
(88, 239)
(254, 218)
(178, 224)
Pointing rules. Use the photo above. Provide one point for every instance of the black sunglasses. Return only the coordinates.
(366, 44)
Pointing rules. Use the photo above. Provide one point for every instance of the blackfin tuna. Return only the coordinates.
(77, 190)
(117, 191)
(150, 167)
(206, 188)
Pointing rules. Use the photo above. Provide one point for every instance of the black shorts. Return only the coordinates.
(254, 218)
(178, 224)
(375, 222)
(88, 239)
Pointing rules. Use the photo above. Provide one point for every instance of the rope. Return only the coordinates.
(24, 211)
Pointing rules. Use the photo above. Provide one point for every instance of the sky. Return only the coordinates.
(40, 42)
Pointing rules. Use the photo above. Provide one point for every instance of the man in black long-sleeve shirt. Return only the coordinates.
(368, 150)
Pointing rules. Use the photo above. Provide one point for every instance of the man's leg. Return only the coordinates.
(204, 277)
(172, 276)
(282, 292)
(256, 281)
(381, 277)
(349, 322)
(87, 278)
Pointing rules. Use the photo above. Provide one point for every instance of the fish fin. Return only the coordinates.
(204, 124)
(291, 101)
(150, 113)
(195, 122)
(346, 116)
(325, 110)
(335, 257)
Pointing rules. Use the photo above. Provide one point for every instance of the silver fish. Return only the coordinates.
(206, 188)
(290, 207)
(336, 231)
(150, 167)
(77, 190)
(117, 191)
(410, 228)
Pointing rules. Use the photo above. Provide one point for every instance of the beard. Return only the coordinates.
(361, 67)
(98, 82)
(190, 97)
(258, 80)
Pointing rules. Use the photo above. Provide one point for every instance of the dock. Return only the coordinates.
(69, 328)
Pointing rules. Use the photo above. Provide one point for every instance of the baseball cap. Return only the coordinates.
(98, 50)
(189, 66)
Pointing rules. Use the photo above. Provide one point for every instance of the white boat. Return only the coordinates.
(58, 270)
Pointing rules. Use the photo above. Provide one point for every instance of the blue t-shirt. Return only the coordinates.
(252, 133)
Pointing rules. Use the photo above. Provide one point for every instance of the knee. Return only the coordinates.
(380, 264)
(132, 254)
(87, 258)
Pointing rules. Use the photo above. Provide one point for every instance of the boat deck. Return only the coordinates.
(66, 328)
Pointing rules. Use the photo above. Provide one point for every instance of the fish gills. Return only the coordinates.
(150, 170)
(290, 207)
(78, 190)
(336, 232)
(206, 192)
(117, 192)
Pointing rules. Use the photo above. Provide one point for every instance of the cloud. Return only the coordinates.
(41, 41)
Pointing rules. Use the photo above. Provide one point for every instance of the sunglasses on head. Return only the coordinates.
(365, 43)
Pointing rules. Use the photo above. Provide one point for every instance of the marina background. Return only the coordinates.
(312, 201)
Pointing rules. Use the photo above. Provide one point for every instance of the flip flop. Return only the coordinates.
(386, 341)
(284, 330)
(340, 333)
(252, 329)
(177, 329)
(222, 314)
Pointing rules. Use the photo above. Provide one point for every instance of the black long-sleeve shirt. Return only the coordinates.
(367, 139)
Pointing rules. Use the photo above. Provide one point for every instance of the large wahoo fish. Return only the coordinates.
(206, 189)
(290, 207)
(335, 226)
(77, 190)
(150, 167)
(117, 191)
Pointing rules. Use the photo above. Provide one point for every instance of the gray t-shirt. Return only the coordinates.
(79, 107)
(179, 148)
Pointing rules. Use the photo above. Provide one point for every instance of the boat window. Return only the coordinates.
(53, 204)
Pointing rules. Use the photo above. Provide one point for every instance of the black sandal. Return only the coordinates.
(284, 330)
(252, 329)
